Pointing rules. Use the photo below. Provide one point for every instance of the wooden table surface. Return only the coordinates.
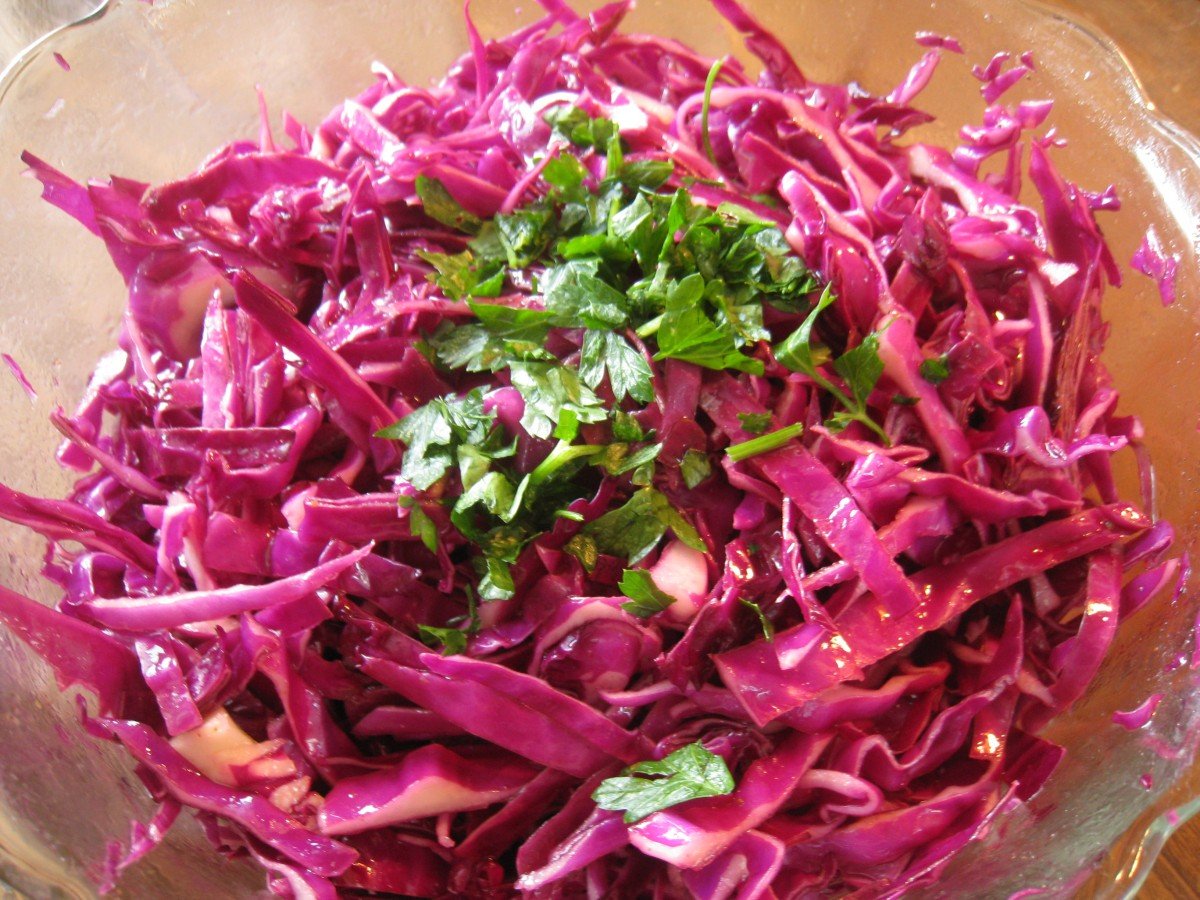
(1161, 39)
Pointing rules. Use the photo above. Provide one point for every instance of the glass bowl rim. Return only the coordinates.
(1181, 802)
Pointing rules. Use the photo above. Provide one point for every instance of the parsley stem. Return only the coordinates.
(828, 386)
(708, 89)
(765, 443)
(650, 328)
(853, 409)
(562, 454)
(768, 630)
(861, 415)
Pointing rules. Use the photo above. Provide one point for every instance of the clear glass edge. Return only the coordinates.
(21, 859)
(1181, 801)
(15, 66)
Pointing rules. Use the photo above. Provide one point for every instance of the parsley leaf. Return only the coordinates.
(626, 428)
(450, 640)
(493, 492)
(514, 323)
(433, 432)
(754, 423)
(604, 246)
(741, 214)
(936, 369)
(524, 234)
(695, 468)
(459, 275)
(624, 223)
(691, 772)
(563, 454)
(646, 173)
(496, 582)
(618, 461)
(419, 524)
(577, 297)
(580, 128)
(628, 372)
(744, 320)
(645, 597)
(565, 175)
(549, 390)
(861, 367)
(440, 206)
(614, 157)
(768, 630)
(468, 347)
(631, 531)
(687, 333)
(504, 333)
(795, 351)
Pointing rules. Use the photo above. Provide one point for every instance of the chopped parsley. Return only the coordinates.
(695, 468)
(434, 433)
(691, 772)
(440, 206)
(419, 524)
(936, 369)
(755, 423)
(632, 530)
(580, 128)
(860, 369)
(645, 597)
(449, 640)
(574, 298)
(764, 443)
(768, 630)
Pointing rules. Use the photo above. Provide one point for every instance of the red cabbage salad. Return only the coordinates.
(605, 473)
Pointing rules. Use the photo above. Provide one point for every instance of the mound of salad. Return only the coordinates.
(604, 473)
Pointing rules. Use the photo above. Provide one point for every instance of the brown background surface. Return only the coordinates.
(1161, 39)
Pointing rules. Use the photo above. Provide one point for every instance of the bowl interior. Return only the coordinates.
(147, 97)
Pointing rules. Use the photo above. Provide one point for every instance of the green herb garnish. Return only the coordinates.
(689, 773)
(449, 640)
(936, 369)
(645, 597)
(765, 443)
(860, 367)
(755, 423)
(629, 273)
(442, 207)
(709, 83)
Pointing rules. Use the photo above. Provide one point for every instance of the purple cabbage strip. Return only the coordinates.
(431, 780)
(260, 818)
(79, 653)
(1150, 259)
(134, 613)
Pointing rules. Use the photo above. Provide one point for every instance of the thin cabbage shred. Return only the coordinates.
(604, 471)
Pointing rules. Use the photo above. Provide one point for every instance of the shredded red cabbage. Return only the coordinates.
(601, 473)
(1150, 259)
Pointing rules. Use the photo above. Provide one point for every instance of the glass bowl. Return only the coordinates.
(152, 89)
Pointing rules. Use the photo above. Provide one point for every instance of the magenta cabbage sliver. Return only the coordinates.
(605, 472)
